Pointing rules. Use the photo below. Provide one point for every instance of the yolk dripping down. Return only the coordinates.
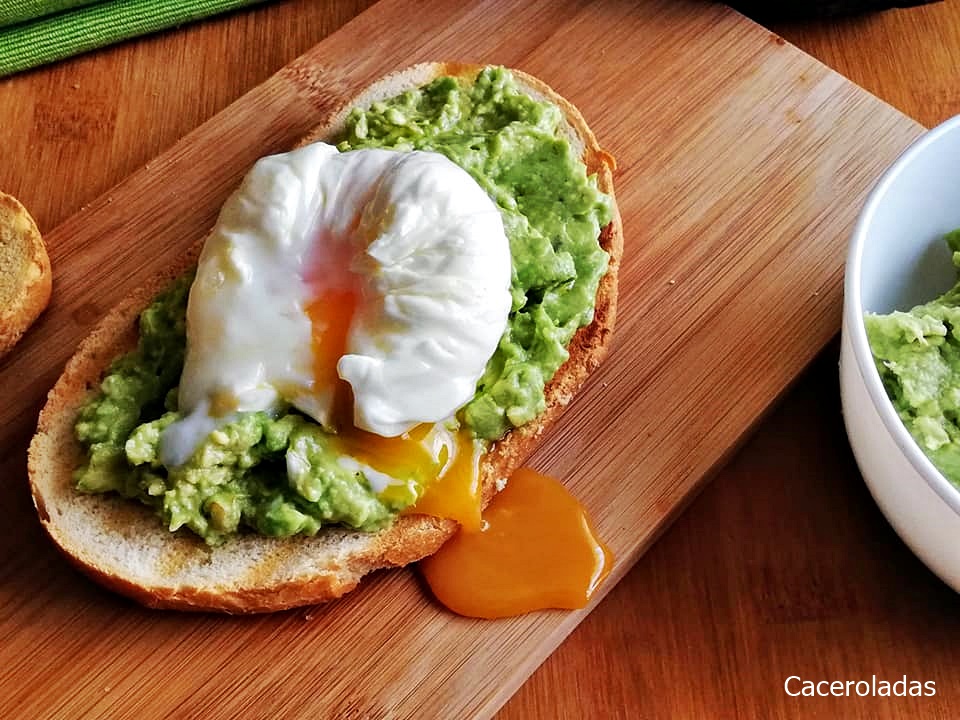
(537, 550)
(446, 463)
(456, 493)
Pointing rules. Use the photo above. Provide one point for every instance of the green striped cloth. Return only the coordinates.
(36, 32)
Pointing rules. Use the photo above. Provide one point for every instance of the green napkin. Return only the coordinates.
(49, 30)
(14, 11)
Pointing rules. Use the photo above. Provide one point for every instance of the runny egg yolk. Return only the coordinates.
(456, 493)
(446, 463)
(537, 550)
(331, 314)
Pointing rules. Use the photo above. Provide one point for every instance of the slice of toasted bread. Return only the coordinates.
(122, 545)
(25, 278)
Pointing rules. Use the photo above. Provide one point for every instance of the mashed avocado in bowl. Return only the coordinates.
(917, 354)
(279, 474)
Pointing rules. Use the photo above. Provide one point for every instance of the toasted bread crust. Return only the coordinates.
(25, 277)
(121, 545)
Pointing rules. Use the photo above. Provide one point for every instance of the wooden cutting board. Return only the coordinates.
(742, 163)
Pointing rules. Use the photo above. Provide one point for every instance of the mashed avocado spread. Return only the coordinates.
(918, 356)
(277, 475)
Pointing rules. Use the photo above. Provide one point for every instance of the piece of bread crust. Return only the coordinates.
(25, 277)
(120, 544)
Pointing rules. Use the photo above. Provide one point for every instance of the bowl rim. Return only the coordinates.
(856, 330)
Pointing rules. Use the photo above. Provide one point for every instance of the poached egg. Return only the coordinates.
(384, 272)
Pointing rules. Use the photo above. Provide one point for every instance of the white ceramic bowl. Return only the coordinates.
(897, 259)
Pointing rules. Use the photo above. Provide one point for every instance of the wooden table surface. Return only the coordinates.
(782, 567)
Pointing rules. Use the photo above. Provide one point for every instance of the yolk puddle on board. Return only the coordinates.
(537, 549)
(445, 462)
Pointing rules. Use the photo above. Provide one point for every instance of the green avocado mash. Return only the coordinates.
(552, 213)
(278, 475)
(918, 356)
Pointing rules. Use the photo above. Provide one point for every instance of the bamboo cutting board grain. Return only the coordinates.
(741, 166)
